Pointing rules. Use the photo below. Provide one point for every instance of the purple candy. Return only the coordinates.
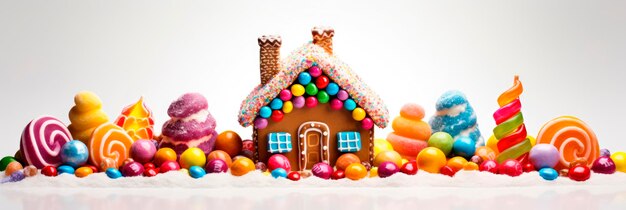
(322, 170)
(187, 105)
(132, 169)
(342, 95)
(387, 168)
(603, 165)
(42, 140)
(298, 101)
(142, 150)
(544, 156)
(605, 152)
(216, 166)
(206, 146)
(260, 123)
(179, 130)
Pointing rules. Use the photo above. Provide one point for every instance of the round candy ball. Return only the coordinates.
(391, 156)
(441, 140)
(322, 82)
(278, 161)
(276, 104)
(332, 89)
(579, 173)
(49, 171)
(431, 159)
(169, 166)
(456, 163)
(619, 158)
(163, 155)
(464, 146)
(74, 153)
(358, 114)
(448, 171)
(510, 167)
(544, 156)
(297, 90)
(142, 151)
(192, 157)
(470, 166)
(260, 123)
(304, 78)
(338, 174)
(367, 123)
(381, 145)
(221, 155)
(548, 174)
(65, 169)
(5, 161)
(13, 167)
(132, 169)
(265, 112)
(603, 165)
(216, 166)
(490, 166)
(311, 102)
(409, 168)
(196, 172)
(356, 171)
(287, 107)
(293, 176)
(30, 171)
(311, 89)
(113, 173)
(150, 172)
(242, 166)
(386, 169)
(298, 102)
(485, 153)
(349, 104)
(285, 95)
(83, 172)
(279, 173)
(342, 95)
(315, 71)
(277, 115)
(345, 160)
(336, 104)
(323, 97)
(322, 170)
(229, 142)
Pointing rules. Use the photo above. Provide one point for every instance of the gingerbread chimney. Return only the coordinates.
(270, 56)
(323, 37)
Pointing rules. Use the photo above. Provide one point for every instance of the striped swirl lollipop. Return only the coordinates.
(42, 140)
(573, 138)
(510, 130)
(109, 141)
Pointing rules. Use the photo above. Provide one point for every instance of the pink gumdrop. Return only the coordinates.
(186, 105)
(260, 123)
(311, 102)
(285, 95)
(322, 170)
(342, 95)
(298, 101)
(142, 151)
(315, 71)
(278, 161)
(216, 166)
(336, 104)
(367, 123)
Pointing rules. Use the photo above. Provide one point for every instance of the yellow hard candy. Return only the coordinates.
(358, 114)
(492, 143)
(431, 159)
(287, 107)
(620, 161)
(192, 157)
(381, 145)
(297, 90)
(242, 166)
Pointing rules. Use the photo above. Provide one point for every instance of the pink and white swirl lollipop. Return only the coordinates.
(42, 140)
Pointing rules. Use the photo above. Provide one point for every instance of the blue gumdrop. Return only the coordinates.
(113, 173)
(65, 169)
(332, 89)
(265, 112)
(304, 78)
(456, 117)
(349, 104)
(464, 147)
(548, 174)
(279, 172)
(74, 153)
(196, 172)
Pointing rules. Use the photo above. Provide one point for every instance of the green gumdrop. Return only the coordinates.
(442, 141)
(5, 162)
(323, 97)
(311, 89)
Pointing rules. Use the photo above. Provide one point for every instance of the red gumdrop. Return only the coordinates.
(490, 166)
(49, 171)
(409, 168)
(277, 115)
(322, 81)
(447, 170)
(311, 102)
(293, 176)
(579, 173)
(338, 174)
(511, 167)
(528, 167)
(169, 166)
(150, 172)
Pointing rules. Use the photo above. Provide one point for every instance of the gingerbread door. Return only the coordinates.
(313, 138)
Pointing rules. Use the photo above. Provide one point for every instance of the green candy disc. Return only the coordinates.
(509, 126)
(515, 151)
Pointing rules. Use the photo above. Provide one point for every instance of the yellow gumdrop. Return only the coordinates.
(620, 161)
(287, 107)
(86, 101)
(297, 90)
(492, 143)
(381, 145)
(86, 115)
(358, 114)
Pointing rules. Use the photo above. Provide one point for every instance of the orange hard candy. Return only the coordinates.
(242, 166)
(415, 129)
(219, 154)
(164, 154)
(470, 166)
(346, 159)
(229, 142)
(355, 171)
(388, 156)
(412, 111)
(407, 147)
(456, 163)
(486, 153)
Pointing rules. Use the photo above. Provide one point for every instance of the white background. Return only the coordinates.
(570, 55)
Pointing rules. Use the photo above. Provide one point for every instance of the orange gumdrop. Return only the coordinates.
(414, 129)
(412, 111)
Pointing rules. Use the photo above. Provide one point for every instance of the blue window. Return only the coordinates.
(279, 142)
(349, 141)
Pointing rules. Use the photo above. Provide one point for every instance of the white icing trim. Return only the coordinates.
(322, 128)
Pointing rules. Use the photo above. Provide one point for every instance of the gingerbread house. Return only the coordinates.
(310, 107)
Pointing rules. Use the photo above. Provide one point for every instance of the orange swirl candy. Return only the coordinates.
(109, 141)
(510, 130)
(573, 138)
(137, 120)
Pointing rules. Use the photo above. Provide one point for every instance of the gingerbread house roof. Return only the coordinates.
(302, 59)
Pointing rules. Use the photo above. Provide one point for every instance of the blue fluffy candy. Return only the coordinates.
(464, 123)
